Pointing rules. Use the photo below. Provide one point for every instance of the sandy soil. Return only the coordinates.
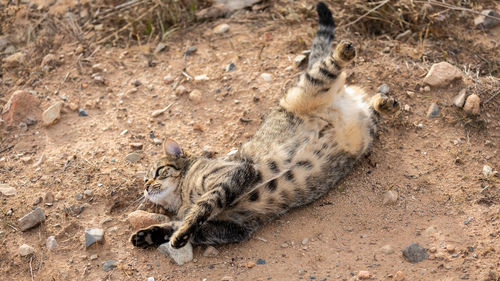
(435, 165)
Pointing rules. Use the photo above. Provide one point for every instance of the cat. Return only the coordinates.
(309, 142)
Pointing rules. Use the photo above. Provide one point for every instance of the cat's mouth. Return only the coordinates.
(163, 193)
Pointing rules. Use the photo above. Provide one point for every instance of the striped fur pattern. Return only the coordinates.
(304, 147)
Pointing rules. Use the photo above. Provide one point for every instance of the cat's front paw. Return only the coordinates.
(384, 104)
(345, 51)
(180, 239)
(152, 236)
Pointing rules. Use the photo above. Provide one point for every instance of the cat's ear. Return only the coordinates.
(170, 147)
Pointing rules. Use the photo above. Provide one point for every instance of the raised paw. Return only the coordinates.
(345, 51)
(180, 239)
(384, 104)
(154, 235)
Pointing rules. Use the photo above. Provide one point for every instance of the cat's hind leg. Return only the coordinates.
(384, 104)
(214, 232)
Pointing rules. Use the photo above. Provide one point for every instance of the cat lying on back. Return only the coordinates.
(304, 147)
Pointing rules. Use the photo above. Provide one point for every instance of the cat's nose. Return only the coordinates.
(148, 184)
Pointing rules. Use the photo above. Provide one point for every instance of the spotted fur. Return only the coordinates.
(304, 147)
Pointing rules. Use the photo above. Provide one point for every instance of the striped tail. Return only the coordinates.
(321, 46)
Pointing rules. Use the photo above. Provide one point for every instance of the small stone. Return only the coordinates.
(98, 67)
(180, 90)
(427, 89)
(415, 253)
(390, 197)
(25, 159)
(136, 145)
(459, 100)
(441, 74)
(221, 28)
(364, 274)
(305, 241)
(387, 249)
(472, 103)
(20, 106)
(433, 110)
(168, 79)
(133, 157)
(410, 94)
(483, 21)
(299, 60)
(431, 230)
(32, 219)
(131, 91)
(261, 261)
(227, 278)
(384, 89)
(151, 279)
(82, 113)
(399, 276)
(450, 248)
(51, 114)
(109, 265)
(157, 141)
(159, 112)
(78, 196)
(160, 47)
(99, 79)
(73, 106)
(93, 257)
(210, 252)
(7, 190)
(51, 243)
(195, 96)
(201, 77)
(180, 256)
(487, 171)
(26, 250)
(49, 198)
(266, 77)
(88, 193)
(49, 61)
(251, 264)
(230, 67)
(407, 108)
(208, 151)
(141, 219)
(93, 235)
(284, 245)
(191, 50)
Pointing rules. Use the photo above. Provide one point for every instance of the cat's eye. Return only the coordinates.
(157, 173)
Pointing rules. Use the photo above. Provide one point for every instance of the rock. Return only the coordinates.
(168, 79)
(51, 114)
(230, 67)
(20, 106)
(407, 108)
(251, 264)
(151, 279)
(387, 249)
(180, 256)
(433, 110)
(133, 157)
(472, 103)
(25, 159)
(415, 253)
(364, 275)
(160, 47)
(261, 261)
(109, 265)
(299, 60)
(459, 100)
(93, 235)
(78, 196)
(136, 145)
(141, 219)
(49, 61)
(210, 252)
(201, 77)
(82, 112)
(26, 250)
(399, 276)
(98, 67)
(180, 90)
(487, 171)
(157, 141)
(431, 230)
(14, 60)
(51, 243)
(441, 74)
(93, 257)
(305, 241)
(7, 190)
(427, 88)
(384, 89)
(450, 248)
(483, 21)
(390, 197)
(49, 198)
(227, 278)
(88, 193)
(32, 219)
(221, 28)
(266, 77)
(195, 96)
(191, 50)
(131, 91)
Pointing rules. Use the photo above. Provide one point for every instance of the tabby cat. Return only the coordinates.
(304, 147)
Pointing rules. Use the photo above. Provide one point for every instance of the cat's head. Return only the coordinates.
(165, 175)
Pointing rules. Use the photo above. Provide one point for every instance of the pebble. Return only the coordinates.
(99, 79)
(191, 50)
(266, 77)
(88, 193)
(25, 159)
(201, 77)
(299, 60)
(433, 110)
(7, 190)
(157, 141)
(230, 67)
(195, 96)
(427, 89)
(363, 274)
(431, 230)
(168, 79)
(136, 145)
(261, 261)
(459, 100)
(131, 91)
(50, 60)
(472, 103)
(133, 157)
(180, 90)
(82, 112)
(51, 243)
(207, 151)
(384, 89)
(415, 253)
(26, 250)
(441, 74)
(305, 241)
(390, 197)
(49, 198)
(450, 248)
(140, 219)
(251, 264)
(151, 279)
(221, 28)
(180, 256)
(210, 252)
(78, 196)
(160, 47)
(93, 257)
(32, 219)
(407, 108)
(482, 21)
(109, 265)
(98, 67)
(387, 249)
(399, 276)
(93, 235)
(51, 114)
(487, 171)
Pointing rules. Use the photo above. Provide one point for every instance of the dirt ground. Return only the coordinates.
(435, 165)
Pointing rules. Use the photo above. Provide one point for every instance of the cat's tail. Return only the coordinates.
(324, 36)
